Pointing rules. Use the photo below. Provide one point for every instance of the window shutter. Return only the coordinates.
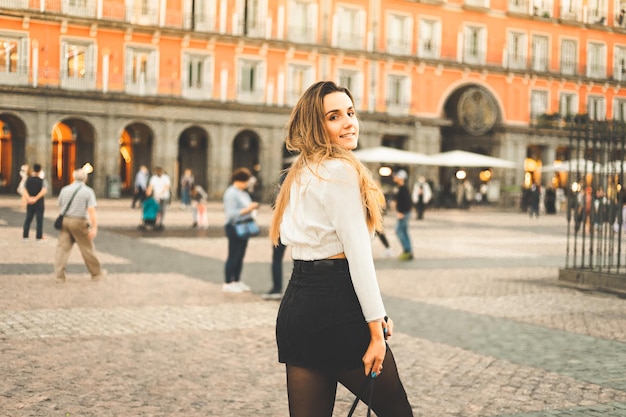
(64, 47)
(185, 75)
(23, 56)
(130, 57)
(207, 81)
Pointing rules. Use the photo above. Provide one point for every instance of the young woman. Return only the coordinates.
(331, 325)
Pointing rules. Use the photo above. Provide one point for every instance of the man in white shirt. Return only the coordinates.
(159, 188)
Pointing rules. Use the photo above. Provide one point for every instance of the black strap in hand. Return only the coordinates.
(368, 381)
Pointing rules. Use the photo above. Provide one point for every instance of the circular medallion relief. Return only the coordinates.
(477, 111)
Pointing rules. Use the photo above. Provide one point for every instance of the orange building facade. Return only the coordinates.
(209, 84)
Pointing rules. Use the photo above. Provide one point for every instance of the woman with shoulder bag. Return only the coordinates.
(238, 208)
(331, 325)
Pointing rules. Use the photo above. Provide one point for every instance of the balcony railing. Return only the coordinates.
(516, 61)
(518, 6)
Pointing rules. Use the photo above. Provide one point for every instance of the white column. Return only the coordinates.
(280, 88)
(35, 65)
(105, 72)
(280, 23)
(223, 84)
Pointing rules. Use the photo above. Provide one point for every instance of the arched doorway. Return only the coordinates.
(12, 152)
(192, 154)
(246, 154)
(474, 113)
(135, 150)
(72, 147)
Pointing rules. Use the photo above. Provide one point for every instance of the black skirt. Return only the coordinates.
(320, 324)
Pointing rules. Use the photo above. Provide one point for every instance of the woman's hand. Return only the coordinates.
(375, 353)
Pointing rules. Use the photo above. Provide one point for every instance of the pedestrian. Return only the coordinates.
(331, 323)
(80, 225)
(421, 196)
(278, 253)
(186, 185)
(403, 204)
(140, 185)
(198, 199)
(238, 206)
(381, 233)
(35, 188)
(534, 200)
(159, 188)
(24, 174)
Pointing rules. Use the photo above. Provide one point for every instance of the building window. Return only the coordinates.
(477, 3)
(251, 84)
(142, 12)
(538, 104)
(83, 8)
(540, 53)
(398, 94)
(596, 60)
(568, 105)
(299, 78)
(429, 38)
(571, 10)
(597, 12)
(542, 8)
(197, 76)
(353, 80)
(399, 29)
(620, 15)
(13, 59)
(516, 50)
(596, 108)
(302, 20)
(78, 66)
(518, 6)
(619, 109)
(475, 45)
(141, 71)
(255, 12)
(349, 26)
(569, 52)
(619, 63)
(202, 16)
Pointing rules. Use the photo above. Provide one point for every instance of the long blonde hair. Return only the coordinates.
(307, 136)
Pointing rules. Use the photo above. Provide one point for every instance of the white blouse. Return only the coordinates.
(325, 216)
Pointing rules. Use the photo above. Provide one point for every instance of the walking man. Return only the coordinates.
(403, 209)
(80, 226)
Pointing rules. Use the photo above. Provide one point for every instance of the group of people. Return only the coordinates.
(154, 194)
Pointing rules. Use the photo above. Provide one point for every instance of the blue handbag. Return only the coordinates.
(247, 228)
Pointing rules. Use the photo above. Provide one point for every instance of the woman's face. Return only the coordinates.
(340, 120)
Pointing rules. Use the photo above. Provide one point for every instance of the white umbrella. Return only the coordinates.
(385, 154)
(574, 165)
(469, 159)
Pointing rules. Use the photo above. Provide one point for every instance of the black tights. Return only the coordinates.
(312, 393)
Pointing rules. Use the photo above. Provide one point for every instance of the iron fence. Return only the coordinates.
(596, 210)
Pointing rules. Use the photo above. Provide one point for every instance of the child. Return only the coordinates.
(198, 205)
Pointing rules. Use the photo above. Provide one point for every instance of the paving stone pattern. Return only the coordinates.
(483, 326)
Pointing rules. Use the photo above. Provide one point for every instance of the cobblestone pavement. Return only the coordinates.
(483, 327)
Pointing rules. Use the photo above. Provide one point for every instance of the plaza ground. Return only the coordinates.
(483, 326)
